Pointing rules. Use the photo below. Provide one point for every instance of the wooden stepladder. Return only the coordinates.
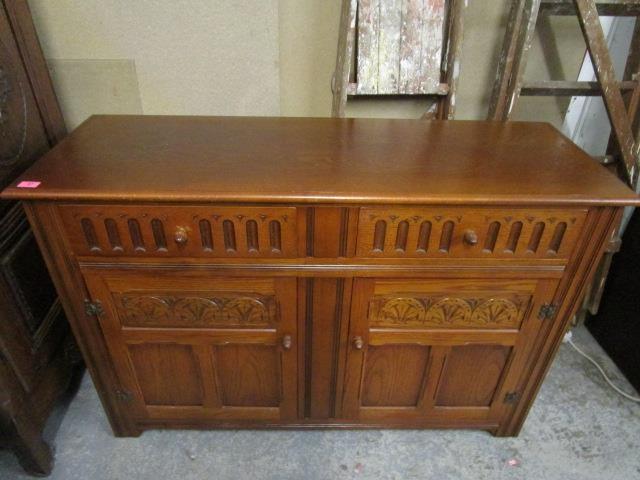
(399, 48)
(621, 98)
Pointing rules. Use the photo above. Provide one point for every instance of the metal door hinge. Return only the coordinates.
(547, 311)
(124, 396)
(93, 308)
(511, 397)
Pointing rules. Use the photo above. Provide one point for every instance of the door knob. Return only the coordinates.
(286, 342)
(470, 238)
(358, 342)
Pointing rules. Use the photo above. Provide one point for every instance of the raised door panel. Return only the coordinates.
(191, 346)
(247, 375)
(168, 374)
(438, 352)
(393, 375)
(471, 375)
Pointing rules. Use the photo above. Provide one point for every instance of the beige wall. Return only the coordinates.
(258, 58)
(308, 40)
(197, 57)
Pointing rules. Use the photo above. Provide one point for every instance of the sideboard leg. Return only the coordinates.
(127, 432)
(504, 433)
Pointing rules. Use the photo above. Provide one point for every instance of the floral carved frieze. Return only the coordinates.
(444, 311)
(13, 112)
(225, 310)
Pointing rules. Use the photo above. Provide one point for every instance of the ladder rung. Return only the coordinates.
(558, 88)
(440, 89)
(619, 8)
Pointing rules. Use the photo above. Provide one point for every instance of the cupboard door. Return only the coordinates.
(191, 345)
(439, 352)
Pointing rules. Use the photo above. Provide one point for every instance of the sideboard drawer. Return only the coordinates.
(181, 231)
(461, 232)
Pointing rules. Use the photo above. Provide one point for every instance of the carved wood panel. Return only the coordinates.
(453, 303)
(170, 231)
(23, 137)
(13, 103)
(468, 233)
(31, 322)
(447, 311)
(197, 310)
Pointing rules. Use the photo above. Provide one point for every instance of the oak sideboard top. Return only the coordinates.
(319, 160)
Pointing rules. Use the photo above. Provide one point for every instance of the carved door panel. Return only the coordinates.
(23, 137)
(191, 345)
(32, 324)
(439, 351)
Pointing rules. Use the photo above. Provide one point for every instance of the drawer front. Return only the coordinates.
(468, 233)
(181, 231)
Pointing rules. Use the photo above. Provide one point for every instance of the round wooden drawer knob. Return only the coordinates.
(470, 238)
(181, 236)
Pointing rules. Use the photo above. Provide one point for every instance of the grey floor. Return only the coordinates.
(577, 429)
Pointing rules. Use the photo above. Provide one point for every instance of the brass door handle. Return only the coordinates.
(286, 342)
(470, 238)
(358, 342)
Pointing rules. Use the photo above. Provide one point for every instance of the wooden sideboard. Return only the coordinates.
(257, 272)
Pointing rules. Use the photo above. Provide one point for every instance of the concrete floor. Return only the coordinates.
(578, 429)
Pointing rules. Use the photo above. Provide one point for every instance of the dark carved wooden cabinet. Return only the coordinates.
(247, 272)
(34, 335)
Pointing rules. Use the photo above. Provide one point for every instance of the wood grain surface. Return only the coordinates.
(311, 160)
